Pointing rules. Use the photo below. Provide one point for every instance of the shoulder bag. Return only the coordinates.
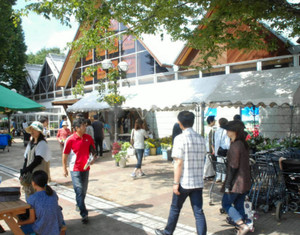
(222, 152)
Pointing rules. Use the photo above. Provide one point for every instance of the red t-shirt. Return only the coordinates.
(79, 150)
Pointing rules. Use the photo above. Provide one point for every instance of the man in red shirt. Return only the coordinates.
(79, 146)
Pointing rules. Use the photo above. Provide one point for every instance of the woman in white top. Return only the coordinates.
(221, 140)
(37, 154)
(89, 128)
(138, 136)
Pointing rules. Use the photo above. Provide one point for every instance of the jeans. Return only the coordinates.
(139, 156)
(99, 142)
(80, 181)
(177, 203)
(237, 211)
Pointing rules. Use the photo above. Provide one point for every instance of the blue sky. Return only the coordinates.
(42, 33)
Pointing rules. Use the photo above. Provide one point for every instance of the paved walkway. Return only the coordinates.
(120, 205)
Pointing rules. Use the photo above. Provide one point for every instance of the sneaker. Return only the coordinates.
(133, 175)
(85, 220)
(77, 208)
(143, 174)
(159, 232)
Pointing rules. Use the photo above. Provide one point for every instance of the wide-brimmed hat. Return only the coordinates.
(64, 123)
(36, 126)
(234, 126)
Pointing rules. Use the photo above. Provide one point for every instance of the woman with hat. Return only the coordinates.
(62, 134)
(238, 181)
(36, 155)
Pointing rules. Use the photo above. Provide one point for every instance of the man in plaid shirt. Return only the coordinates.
(188, 153)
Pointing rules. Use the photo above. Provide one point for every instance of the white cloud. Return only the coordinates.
(60, 39)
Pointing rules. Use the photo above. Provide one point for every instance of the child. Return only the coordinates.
(46, 218)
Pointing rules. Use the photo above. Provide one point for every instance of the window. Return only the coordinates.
(145, 64)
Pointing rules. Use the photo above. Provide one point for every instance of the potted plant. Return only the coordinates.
(152, 146)
(120, 153)
(166, 149)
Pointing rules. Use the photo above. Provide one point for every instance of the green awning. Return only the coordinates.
(12, 101)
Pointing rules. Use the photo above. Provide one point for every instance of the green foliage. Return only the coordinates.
(223, 30)
(12, 48)
(111, 95)
(39, 57)
(78, 89)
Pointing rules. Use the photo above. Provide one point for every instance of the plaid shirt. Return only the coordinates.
(190, 147)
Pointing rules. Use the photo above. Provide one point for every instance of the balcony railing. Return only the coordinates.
(252, 65)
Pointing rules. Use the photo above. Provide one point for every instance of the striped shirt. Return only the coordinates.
(190, 147)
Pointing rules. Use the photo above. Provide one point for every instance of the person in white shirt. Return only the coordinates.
(221, 140)
(138, 135)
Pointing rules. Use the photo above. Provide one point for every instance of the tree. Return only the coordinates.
(12, 49)
(39, 57)
(211, 26)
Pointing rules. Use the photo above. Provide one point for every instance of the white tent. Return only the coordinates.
(276, 87)
(174, 95)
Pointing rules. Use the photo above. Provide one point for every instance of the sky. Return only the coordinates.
(42, 33)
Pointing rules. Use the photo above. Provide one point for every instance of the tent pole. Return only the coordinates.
(291, 127)
(202, 118)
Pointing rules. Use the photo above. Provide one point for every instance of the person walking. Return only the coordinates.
(138, 135)
(26, 136)
(209, 171)
(46, 218)
(37, 154)
(45, 121)
(98, 135)
(223, 141)
(89, 128)
(238, 180)
(188, 153)
(79, 146)
(62, 134)
(63, 119)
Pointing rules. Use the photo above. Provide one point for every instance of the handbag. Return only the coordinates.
(26, 179)
(131, 151)
(222, 152)
(132, 138)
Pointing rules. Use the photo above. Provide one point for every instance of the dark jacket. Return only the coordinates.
(238, 160)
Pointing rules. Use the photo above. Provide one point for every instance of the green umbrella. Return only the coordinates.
(12, 101)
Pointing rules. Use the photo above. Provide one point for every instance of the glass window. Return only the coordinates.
(99, 54)
(113, 53)
(139, 46)
(213, 72)
(145, 64)
(114, 26)
(188, 74)
(122, 27)
(88, 59)
(75, 76)
(243, 67)
(131, 61)
(127, 44)
(160, 69)
(88, 79)
(276, 64)
(101, 74)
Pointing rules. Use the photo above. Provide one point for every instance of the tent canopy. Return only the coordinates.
(12, 101)
(164, 96)
(260, 88)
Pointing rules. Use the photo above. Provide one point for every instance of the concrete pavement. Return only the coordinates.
(120, 205)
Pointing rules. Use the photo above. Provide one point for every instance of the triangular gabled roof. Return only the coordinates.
(33, 73)
(162, 50)
(189, 55)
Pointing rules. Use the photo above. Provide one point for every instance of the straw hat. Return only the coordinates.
(36, 126)
(64, 123)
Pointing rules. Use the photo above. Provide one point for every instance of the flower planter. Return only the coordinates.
(158, 151)
(146, 152)
(122, 162)
(164, 154)
(152, 151)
